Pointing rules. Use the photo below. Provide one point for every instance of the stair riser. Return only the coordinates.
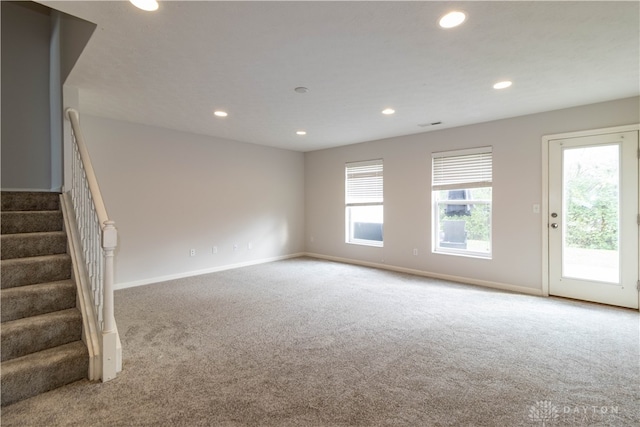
(33, 334)
(34, 300)
(23, 378)
(31, 222)
(29, 271)
(33, 244)
(29, 201)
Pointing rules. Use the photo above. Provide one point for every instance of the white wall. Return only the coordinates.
(517, 179)
(172, 191)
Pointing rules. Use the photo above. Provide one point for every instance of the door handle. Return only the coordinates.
(554, 225)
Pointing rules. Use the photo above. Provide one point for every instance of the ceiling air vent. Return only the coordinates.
(426, 125)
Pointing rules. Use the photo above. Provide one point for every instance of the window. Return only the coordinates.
(461, 195)
(363, 201)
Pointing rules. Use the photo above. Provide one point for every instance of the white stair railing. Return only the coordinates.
(99, 238)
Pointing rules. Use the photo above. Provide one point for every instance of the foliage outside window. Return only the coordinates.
(593, 199)
(462, 201)
(364, 203)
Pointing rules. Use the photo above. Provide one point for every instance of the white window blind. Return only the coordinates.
(462, 169)
(364, 182)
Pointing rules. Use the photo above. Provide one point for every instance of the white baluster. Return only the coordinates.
(99, 239)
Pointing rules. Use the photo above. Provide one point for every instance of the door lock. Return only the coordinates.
(554, 225)
(554, 215)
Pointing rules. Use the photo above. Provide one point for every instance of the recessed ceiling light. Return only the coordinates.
(452, 19)
(502, 85)
(301, 132)
(301, 89)
(148, 5)
(220, 113)
(388, 111)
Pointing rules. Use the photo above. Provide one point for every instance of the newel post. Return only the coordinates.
(109, 336)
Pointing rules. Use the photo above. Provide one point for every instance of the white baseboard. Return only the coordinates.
(458, 279)
(153, 280)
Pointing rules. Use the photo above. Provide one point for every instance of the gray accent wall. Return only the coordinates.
(39, 49)
(26, 130)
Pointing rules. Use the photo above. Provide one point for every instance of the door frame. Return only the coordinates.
(544, 211)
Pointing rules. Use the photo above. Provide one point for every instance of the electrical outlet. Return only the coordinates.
(214, 250)
(536, 208)
(235, 247)
(250, 246)
(192, 252)
(415, 251)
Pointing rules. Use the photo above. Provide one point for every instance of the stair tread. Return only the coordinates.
(37, 269)
(41, 298)
(42, 371)
(37, 287)
(61, 351)
(33, 212)
(14, 222)
(29, 259)
(30, 200)
(41, 318)
(32, 334)
(32, 233)
(30, 212)
(41, 327)
(25, 245)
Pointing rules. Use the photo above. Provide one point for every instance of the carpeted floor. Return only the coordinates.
(305, 342)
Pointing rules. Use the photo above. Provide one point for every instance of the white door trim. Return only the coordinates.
(545, 188)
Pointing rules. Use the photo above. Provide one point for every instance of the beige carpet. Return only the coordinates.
(304, 342)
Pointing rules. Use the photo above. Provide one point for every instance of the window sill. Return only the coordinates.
(475, 255)
(366, 243)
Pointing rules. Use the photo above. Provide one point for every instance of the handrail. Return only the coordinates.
(101, 211)
(99, 239)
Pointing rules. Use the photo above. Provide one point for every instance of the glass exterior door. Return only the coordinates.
(593, 230)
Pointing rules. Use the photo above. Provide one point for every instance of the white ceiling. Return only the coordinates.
(174, 67)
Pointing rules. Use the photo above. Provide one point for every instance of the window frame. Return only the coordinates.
(461, 170)
(370, 192)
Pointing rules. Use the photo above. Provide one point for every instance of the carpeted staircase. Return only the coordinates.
(41, 326)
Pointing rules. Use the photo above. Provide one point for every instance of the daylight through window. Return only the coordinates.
(364, 202)
(462, 199)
